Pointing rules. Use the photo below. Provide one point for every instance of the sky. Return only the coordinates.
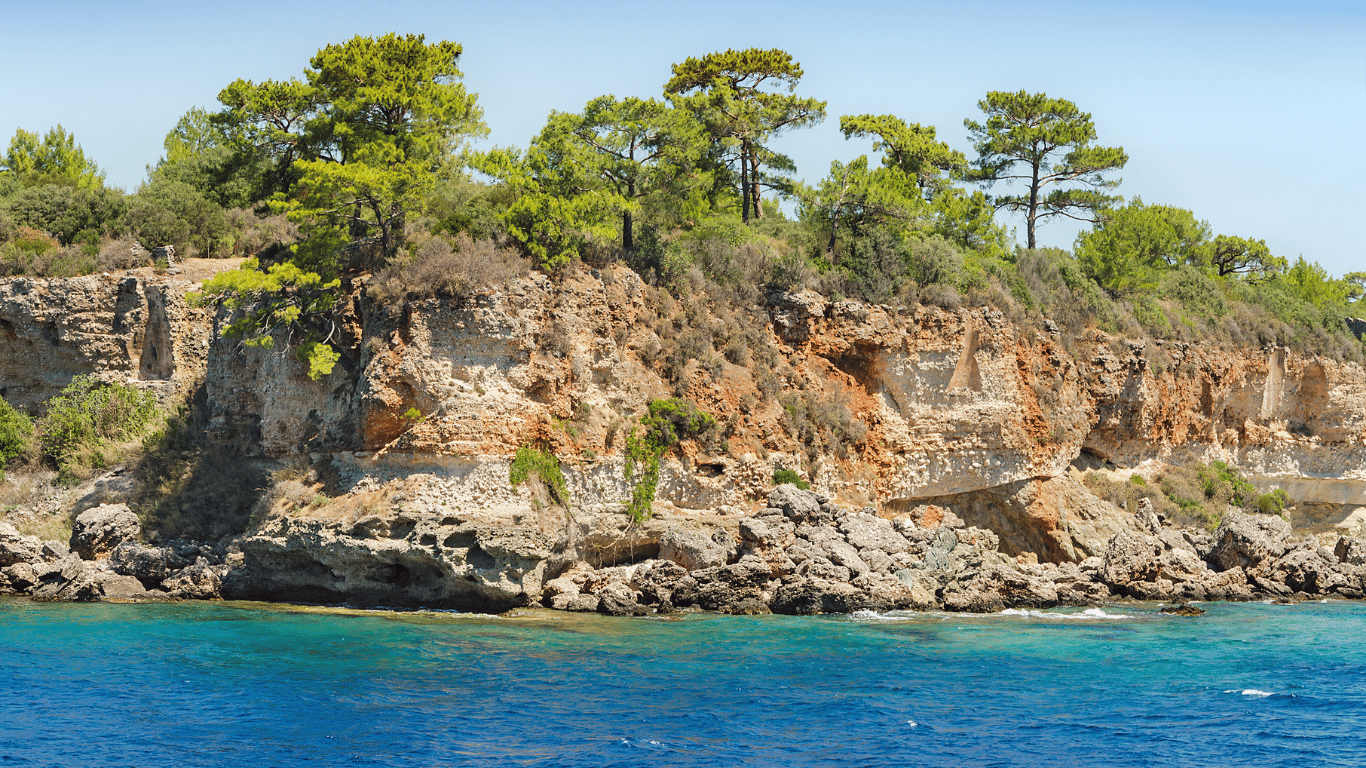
(1250, 114)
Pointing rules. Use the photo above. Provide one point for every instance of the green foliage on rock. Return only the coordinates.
(535, 462)
(87, 415)
(1130, 248)
(16, 433)
(781, 476)
(667, 423)
(359, 142)
(281, 301)
(1272, 503)
(70, 213)
(357, 146)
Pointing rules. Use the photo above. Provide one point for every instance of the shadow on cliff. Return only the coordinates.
(190, 488)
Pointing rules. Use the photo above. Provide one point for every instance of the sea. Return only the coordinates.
(254, 684)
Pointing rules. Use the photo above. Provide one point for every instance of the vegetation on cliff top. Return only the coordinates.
(360, 168)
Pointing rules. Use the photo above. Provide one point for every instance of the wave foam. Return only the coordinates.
(870, 615)
(1090, 614)
(1250, 692)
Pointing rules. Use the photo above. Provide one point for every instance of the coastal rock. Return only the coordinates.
(114, 586)
(724, 587)
(655, 582)
(16, 548)
(76, 580)
(149, 565)
(617, 599)
(200, 581)
(398, 558)
(1244, 540)
(864, 530)
(1350, 550)
(1310, 570)
(767, 532)
(996, 589)
(810, 596)
(797, 505)
(98, 531)
(695, 549)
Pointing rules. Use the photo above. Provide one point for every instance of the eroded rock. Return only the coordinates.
(97, 531)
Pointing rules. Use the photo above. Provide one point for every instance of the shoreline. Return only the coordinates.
(800, 555)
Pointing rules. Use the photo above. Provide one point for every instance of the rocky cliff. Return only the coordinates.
(123, 328)
(908, 414)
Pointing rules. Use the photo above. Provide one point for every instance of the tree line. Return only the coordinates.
(368, 155)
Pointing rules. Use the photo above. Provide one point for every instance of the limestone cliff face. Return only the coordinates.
(890, 408)
(1286, 421)
(958, 408)
(119, 328)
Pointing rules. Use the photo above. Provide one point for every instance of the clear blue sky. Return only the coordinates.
(1251, 114)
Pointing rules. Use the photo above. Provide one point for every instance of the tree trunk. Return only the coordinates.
(627, 241)
(744, 182)
(1033, 206)
(757, 190)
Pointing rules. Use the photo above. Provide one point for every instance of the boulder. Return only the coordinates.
(78, 580)
(149, 565)
(840, 552)
(114, 586)
(1130, 559)
(200, 581)
(577, 603)
(810, 596)
(767, 531)
(696, 549)
(995, 589)
(797, 505)
(1350, 550)
(1306, 569)
(99, 530)
(617, 599)
(655, 583)
(878, 560)
(1182, 609)
(723, 587)
(1146, 517)
(1245, 541)
(20, 578)
(16, 548)
(866, 531)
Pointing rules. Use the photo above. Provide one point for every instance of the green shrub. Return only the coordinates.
(669, 422)
(534, 462)
(16, 433)
(1272, 503)
(1222, 483)
(781, 476)
(89, 414)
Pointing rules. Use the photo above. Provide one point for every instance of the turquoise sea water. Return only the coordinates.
(231, 684)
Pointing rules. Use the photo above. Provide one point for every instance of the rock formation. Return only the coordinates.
(940, 444)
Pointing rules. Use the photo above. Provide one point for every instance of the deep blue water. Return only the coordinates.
(231, 684)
